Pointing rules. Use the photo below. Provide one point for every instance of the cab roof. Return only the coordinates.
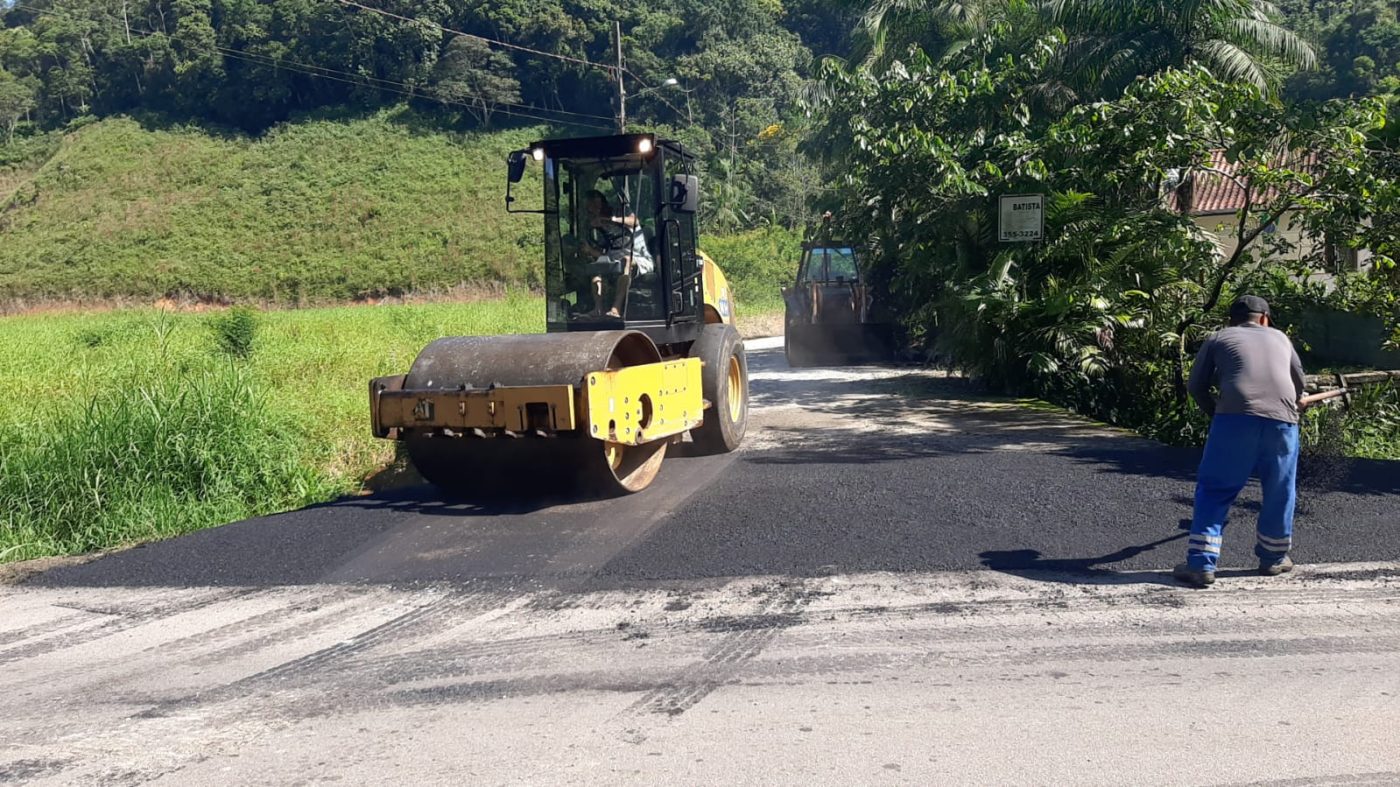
(612, 146)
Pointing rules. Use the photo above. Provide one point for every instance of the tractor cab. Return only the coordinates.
(829, 289)
(620, 233)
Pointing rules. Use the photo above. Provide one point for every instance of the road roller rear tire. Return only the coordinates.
(725, 385)
(567, 465)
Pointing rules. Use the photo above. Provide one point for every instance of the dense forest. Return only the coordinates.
(748, 74)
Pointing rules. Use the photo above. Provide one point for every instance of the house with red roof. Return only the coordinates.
(1214, 195)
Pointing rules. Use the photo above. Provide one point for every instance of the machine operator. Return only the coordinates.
(619, 250)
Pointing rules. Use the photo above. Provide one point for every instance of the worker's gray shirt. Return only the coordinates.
(1256, 370)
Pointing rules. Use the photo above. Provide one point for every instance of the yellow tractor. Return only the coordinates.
(640, 348)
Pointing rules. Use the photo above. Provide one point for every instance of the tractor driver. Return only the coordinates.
(618, 247)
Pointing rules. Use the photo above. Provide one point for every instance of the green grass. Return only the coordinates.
(133, 425)
(312, 212)
(127, 426)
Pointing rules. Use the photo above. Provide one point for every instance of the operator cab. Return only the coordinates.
(828, 264)
(620, 234)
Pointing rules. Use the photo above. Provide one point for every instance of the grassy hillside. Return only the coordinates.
(312, 211)
(316, 211)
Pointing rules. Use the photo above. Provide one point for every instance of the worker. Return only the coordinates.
(624, 250)
(1253, 431)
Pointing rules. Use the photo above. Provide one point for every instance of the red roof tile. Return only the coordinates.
(1212, 193)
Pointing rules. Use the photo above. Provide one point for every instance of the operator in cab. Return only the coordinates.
(619, 250)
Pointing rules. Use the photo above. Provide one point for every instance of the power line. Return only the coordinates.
(520, 110)
(503, 44)
(284, 62)
(518, 47)
(657, 93)
(362, 80)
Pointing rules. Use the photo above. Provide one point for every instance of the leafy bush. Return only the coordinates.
(1103, 314)
(1369, 428)
(758, 263)
(236, 331)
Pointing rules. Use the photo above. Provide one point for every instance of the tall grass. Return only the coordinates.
(315, 211)
(129, 426)
(160, 454)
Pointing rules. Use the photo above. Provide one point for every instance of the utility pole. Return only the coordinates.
(621, 88)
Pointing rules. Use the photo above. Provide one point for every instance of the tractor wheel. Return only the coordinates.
(797, 346)
(725, 385)
(796, 359)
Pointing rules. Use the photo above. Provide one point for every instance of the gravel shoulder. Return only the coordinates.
(890, 678)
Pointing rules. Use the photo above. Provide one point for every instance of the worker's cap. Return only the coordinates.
(1246, 305)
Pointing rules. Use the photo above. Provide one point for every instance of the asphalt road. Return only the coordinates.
(846, 470)
(895, 581)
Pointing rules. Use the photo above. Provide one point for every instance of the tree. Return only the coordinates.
(16, 101)
(889, 27)
(472, 75)
(1113, 41)
(1359, 48)
(1103, 313)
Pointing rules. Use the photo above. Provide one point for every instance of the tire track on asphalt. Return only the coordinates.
(782, 608)
(124, 620)
(285, 620)
(289, 674)
(75, 618)
(541, 665)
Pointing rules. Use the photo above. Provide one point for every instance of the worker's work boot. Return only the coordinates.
(1196, 578)
(1274, 569)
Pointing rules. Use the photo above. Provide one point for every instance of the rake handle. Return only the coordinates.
(1312, 399)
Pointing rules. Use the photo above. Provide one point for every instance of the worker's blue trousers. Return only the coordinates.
(1240, 446)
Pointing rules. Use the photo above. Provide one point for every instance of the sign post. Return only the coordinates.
(1021, 218)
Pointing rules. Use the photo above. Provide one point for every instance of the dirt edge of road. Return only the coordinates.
(17, 572)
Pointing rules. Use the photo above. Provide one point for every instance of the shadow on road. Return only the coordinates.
(1316, 473)
(1030, 564)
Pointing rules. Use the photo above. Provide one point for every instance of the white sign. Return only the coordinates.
(1022, 218)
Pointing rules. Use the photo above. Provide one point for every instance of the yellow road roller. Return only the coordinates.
(640, 347)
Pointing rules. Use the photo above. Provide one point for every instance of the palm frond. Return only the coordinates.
(1273, 39)
(1230, 62)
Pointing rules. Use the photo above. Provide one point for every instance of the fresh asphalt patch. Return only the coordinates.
(940, 502)
(844, 470)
